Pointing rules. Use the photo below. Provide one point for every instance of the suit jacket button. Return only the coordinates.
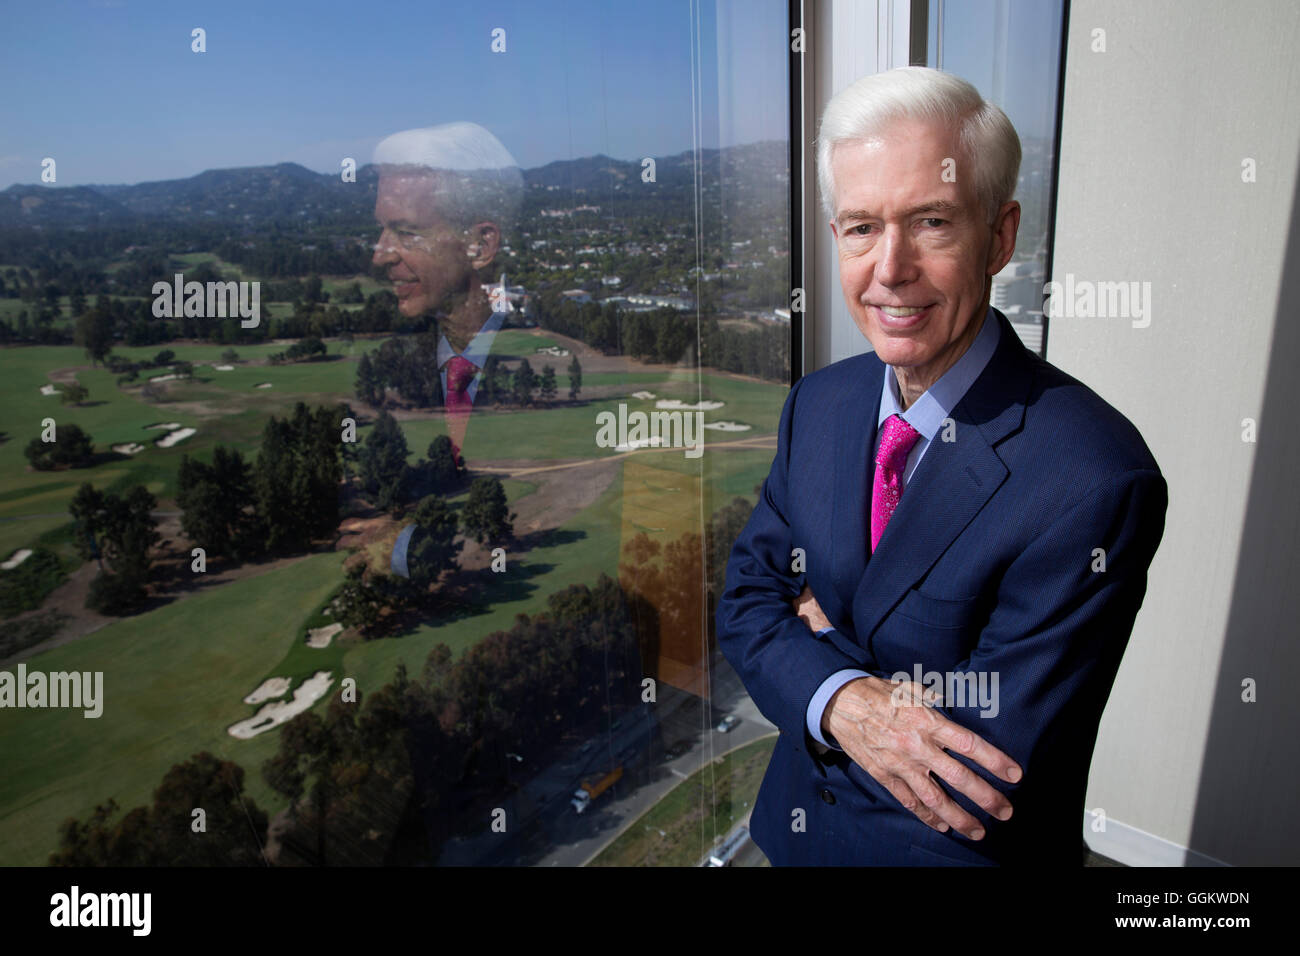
(828, 797)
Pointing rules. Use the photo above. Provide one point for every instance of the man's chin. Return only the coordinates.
(412, 307)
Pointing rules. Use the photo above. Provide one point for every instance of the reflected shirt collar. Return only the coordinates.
(479, 347)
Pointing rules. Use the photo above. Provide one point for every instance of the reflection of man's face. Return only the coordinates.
(425, 257)
(914, 245)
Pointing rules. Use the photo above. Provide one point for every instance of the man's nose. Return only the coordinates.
(385, 249)
(896, 263)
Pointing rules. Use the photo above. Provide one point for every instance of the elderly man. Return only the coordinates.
(933, 594)
(446, 195)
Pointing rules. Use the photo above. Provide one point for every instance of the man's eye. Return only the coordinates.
(863, 226)
(936, 222)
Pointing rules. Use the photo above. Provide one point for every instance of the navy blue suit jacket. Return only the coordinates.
(986, 566)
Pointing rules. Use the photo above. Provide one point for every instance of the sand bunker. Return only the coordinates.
(50, 389)
(643, 395)
(17, 558)
(279, 712)
(269, 689)
(164, 378)
(553, 350)
(172, 437)
(262, 385)
(224, 368)
(128, 448)
(728, 426)
(321, 636)
(165, 425)
(678, 404)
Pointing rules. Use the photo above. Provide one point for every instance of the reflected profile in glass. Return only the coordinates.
(446, 196)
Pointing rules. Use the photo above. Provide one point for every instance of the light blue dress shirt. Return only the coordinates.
(477, 351)
(926, 415)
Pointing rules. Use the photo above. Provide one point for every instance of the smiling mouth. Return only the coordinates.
(897, 312)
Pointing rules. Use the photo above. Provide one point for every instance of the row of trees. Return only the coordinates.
(667, 336)
(411, 370)
(390, 780)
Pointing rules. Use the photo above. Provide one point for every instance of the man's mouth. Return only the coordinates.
(404, 287)
(898, 317)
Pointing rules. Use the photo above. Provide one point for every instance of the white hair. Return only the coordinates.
(985, 137)
(476, 178)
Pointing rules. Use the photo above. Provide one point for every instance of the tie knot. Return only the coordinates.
(895, 443)
(460, 371)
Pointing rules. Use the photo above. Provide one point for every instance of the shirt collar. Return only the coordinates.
(928, 412)
(479, 347)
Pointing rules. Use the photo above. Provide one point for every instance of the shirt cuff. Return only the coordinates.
(817, 706)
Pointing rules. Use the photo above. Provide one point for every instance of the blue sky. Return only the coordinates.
(112, 91)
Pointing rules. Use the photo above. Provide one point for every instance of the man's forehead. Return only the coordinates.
(409, 194)
(909, 163)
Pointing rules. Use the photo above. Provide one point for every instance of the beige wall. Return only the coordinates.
(1155, 132)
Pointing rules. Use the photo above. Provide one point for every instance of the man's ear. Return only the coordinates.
(1003, 246)
(484, 241)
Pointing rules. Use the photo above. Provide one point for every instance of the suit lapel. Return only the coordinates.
(855, 439)
(949, 487)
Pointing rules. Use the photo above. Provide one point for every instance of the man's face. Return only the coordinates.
(908, 241)
(424, 256)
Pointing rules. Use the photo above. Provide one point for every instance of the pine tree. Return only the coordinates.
(487, 516)
(575, 377)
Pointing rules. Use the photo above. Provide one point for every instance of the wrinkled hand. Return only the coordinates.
(890, 732)
(809, 611)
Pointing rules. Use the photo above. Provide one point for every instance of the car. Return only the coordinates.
(727, 723)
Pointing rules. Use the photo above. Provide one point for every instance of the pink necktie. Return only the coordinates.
(460, 372)
(891, 460)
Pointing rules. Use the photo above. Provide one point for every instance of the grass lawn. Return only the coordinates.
(173, 683)
(174, 678)
(704, 806)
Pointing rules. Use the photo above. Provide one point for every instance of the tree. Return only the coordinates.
(383, 461)
(548, 384)
(575, 377)
(369, 385)
(94, 333)
(233, 832)
(74, 393)
(213, 499)
(72, 448)
(433, 547)
(442, 469)
(494, 387)
(487, 517)
(121, 531)
(525, 382)
(359, 604)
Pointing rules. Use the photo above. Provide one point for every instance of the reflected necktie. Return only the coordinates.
(457, 403)
(891, 460)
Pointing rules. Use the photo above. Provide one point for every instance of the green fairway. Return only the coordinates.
(174, 677)
(173, 683)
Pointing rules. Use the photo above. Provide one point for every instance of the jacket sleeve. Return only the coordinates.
(1053, 643)
(779, 659)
